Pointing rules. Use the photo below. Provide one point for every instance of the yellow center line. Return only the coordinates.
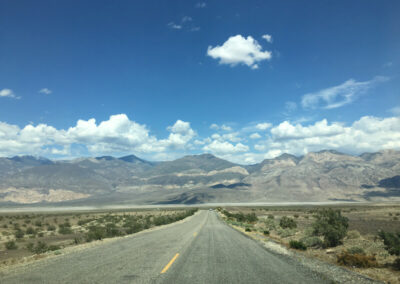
(194, 234)
(170, 263)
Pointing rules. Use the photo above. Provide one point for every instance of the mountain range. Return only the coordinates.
(317, 176)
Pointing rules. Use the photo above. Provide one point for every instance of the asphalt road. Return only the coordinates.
(201, 250)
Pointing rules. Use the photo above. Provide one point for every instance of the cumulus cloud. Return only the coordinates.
(8, 93)
(263, 126)
(368, 134)
(45, 91)
(239, 50)
(340, 95)
(267, 37)
(118, 134)
(255, 136)
(223, 147)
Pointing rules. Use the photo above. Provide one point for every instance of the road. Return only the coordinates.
(202, 249)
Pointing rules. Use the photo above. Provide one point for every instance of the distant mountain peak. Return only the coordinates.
(134, 159)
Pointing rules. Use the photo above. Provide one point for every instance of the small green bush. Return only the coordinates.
(297, 245)
(270, 216)
(30, 231)
(51, 228)
(19, 234)
(248, 229)
(312, 242)
(396, 264)
(266, 232)
(41, 247)
(331, 225)
(391, 241)
(356, 250)
(284, 233)
(287, 223)
(65, 229)
(10, 245)
(353, 234)
(38, 223)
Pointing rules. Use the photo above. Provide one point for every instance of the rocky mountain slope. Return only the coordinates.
(321, 176)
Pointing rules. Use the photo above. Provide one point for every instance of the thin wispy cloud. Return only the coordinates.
(340, 95)
(267, 37)
(239, 50)
(174, 26)
(45, 91)
(8, 93)
(201, 5)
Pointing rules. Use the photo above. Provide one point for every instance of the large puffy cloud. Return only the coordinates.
(368, 134)
(223, 147)
(340, 95)
(239, 50)
(118, 134)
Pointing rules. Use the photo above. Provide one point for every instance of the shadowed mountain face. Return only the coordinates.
(321, 176)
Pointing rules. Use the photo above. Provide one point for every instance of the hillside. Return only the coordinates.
(320, 176)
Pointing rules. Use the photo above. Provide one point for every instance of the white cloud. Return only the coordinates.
(214, 126)
(223, 127)
(239, 50)
(201, 5)
(220, 148)
(263, 126)
(174, 26)
(255, 136)
(368, 134)
(340, 95)
(45, 91)
(267, 37)
(8, 93)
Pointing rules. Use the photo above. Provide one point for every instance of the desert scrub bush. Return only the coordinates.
(30, 231)
(65, 228)
(10, 245)
(312, 242)
(391, 242)
(296, 215)
(19, 234)
(270, 224)
(287, 223)
(353, 234)
(84, 222)
(266, 232)
(297, 245)
(270, 216)
(95, 233)
(356, 260)
(284, 233)
(51, 228)
(355, 250)
(248, 229)
(38, 223)
(331, 225)
(41, 247)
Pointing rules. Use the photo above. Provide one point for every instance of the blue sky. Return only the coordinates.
(170, 78)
